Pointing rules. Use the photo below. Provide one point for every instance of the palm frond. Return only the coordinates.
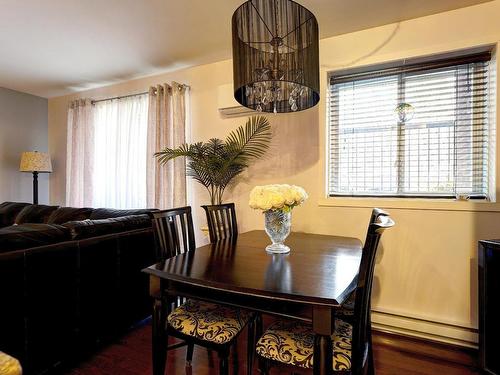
(250, 141)
(227, 175)
(215, 146)
(183, 150)
(200, 173)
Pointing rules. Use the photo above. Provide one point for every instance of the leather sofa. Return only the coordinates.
(69, 279)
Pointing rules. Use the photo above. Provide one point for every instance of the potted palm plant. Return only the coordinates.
(216, 163)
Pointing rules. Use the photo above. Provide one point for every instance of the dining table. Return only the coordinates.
(309, 284)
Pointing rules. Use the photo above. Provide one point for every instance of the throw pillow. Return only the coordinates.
(9, 211)
(64, 214)
(35, 213)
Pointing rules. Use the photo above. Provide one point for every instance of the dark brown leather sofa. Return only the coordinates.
(69, 279)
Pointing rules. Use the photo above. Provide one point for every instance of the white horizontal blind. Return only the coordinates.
(441, 152)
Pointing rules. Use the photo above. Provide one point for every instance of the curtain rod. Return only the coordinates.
(131, 95)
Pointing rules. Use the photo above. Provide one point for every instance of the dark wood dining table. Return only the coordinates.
(308, 284)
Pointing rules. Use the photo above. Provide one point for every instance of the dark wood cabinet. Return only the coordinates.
(489, 306)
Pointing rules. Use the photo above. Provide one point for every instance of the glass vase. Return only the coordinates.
(277, 225)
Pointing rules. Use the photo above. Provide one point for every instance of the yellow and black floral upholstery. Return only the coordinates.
(292, 343)
(207, 321)
(9, 365)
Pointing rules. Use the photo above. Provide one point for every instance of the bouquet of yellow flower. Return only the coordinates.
(277, 197)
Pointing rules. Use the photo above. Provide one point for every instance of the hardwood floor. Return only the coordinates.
(394, 355)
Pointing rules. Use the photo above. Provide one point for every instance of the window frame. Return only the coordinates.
(400, 68)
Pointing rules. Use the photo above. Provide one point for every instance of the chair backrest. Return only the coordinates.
(379, 221)
(221, 220)
(173, 232)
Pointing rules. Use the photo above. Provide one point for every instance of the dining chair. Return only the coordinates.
(223, 226)
(213, 326)
(346, 311)
(291, 342)
(221, 220)
(173, 232)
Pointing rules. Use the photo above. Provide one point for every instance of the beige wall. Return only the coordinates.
(426, 272)
(23, 127)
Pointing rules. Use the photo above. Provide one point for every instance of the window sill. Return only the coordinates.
(412, 204)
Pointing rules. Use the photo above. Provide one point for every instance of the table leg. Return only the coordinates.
(251, 345)
(323, 326)
(323, 348)
(160, 338)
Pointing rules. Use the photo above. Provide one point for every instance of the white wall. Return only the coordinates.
(23, 127)
(426, 272)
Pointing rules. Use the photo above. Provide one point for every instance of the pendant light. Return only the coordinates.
(275, 56)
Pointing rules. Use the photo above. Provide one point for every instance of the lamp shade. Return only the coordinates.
(275, 56)
(34, 161)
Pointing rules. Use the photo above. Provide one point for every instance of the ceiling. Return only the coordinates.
(55, 47)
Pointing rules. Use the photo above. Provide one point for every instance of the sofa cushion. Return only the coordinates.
(64, 214)
(92, 228)
(105, 213)
(25, 236)
(9, 211)
(35, 213)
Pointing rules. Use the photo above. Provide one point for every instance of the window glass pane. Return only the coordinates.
(429, 146)
(439, 149)
(367, 136)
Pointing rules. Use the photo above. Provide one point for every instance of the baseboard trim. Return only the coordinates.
(425, 329)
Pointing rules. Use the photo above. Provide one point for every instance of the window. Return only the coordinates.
(120, 139)
(435, 146)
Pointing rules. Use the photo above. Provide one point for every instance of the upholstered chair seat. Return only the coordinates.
(9, 365)
(209, 322)
(291, 343)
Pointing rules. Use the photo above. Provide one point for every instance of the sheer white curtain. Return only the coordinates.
(166, 184)
(111, 146)
(121, 127)
(80, 154)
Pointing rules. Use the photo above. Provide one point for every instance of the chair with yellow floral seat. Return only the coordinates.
(292, 343)
(9, 365)
(213, 326)
(223, 226)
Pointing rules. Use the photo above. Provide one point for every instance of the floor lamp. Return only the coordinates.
(35, 162)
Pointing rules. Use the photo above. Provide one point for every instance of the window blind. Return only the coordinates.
(439, 150)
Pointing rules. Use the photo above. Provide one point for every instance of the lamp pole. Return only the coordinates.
(35, 187)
